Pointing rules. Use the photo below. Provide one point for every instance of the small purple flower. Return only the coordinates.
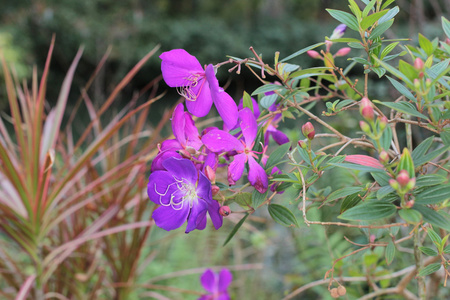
(184, 194)
(219, 141)
(199, 86)
(184, 130)
(216, 284)
(338, 32)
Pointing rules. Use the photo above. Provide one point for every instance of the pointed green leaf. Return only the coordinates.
(282, 215)
(380, 29)
(402, 89)
(369, 211)
(371, 19)
(422, 148)
(428, 251)
(258, 198)
(344, 17)
(247, 101)
(425, 44)
(267, 88)
(409, 215)
(434, 194)
(429, 269)
(344, 192)
(403, 107)
(406, 163)
(389, 15)
(301, 51)
(433, 217)
(350, 201)
(277, 155)
(430, 180)
(235, 229)
(446, 26)
(390, 252)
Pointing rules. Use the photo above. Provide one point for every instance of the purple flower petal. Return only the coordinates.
(248, 125)
(193, 139)
(216, 217)
(236, 168)
(168, 218)
(218, 141)
(257, 176)
(160, 187)
(181, 169)
(197, 215)
(161, 157)
(278, 136)
(208, 281)
(178, 124)
(256, 111)
(225, 278)
(178, 66)
(224, 103)
(211, 160)
(171, 144)
(204, 188)
(223, 296)
(203, 101)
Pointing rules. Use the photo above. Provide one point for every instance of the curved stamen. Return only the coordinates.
(187, 189)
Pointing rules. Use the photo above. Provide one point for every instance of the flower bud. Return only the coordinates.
(366, 109)
(341, 290)
(411, 184)
(383, 123)
(394, 184)
(364, 127)
(403, 178)
(334, 293)
(428, 83)
(215, 189)
(421, 74)
(409, 204)
(184, 153)
(308, 131)
(384, 157)
(210, 174)
(418, 64)
(225, 211)
(343, 51)
(338, 32)
(417, 84)
(314, 54)
(302, 144)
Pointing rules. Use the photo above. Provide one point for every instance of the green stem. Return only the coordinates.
(417, 256)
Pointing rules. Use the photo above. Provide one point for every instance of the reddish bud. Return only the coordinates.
(225, 211)
(384, 157)
(417, 83)
(411, 184)
(302, 144)
(366, 109)
(383, 121)
(421, 74)
(313, 54)
(403, 178)
(308, 131)
(428, 82)
(343, 51)
(184, 153)
(372, 238)
(394, 184)
(210, 174)
(215, 189)
(364, 127)
(409, 204)
(418, 64)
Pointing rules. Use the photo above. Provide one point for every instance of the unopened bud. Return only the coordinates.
(364, 127)
(334, 293)
(411, 184)
(308, 131)
(338, 32)
(428, 82)
(314, 54)
(210, 174)
(421, 74)
(302, 144)
(372, 238)
(383, 123)
(394, 184)
(225, 211)
(215, 189)
(403, 178)
(366, 109)
(184, 153)
(384, 157)
(417, 83)
(343, 51)
(418, 64)
(341, 290)
(409, 204)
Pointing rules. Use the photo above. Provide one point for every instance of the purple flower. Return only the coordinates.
(184, 130)
(220, 141)
(184, 194)
(199, 86)
(216, 284)
(338, 32)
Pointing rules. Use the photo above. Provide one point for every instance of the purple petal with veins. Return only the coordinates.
(248, 125)
(178, 66)
(218, 141)
(236, 168)
(257, 176)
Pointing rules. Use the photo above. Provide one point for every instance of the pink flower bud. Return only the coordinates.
(364, 127)
(394, 184)
(302, 144)
(308, 130)
(418, 64)
(384, 157)
(428, 82)
(215, 189)
(343, 51)
(421, 74)
(411, 184)
(210, 174)
(417, 83)
(366, 109)
(409, 204)
(403, 178)
(224, 211)
(383, 123)
(314, 54)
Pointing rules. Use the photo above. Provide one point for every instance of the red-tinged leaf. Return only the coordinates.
(26, 287)
(364, 160)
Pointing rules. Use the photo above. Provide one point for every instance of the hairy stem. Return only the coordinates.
(417, 257)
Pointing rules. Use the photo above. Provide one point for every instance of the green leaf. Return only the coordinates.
(381, 178)
(350, 201)
(386, 138)
(267, 101)
(301, 51)
(433, 195)
(247, 101)
(267, 88)
(244, 200)
(386, 4)
(426, 45)
(380, 29)
(344, 192)
(235, 229)
(409, 215)
(434, 236)
(402, 89)
(388, 50)
(379, 71)
(344, 40)
(258, 198)
(429, 269)
(430, 156)
(393, 71)
(430, 180)
(384, 191)
(403, 107)
(433, 217)
(406, 163)
(345, 18)
(447, 249)
(369, 211)
(277, 155)
(428, 251)
(368, 8)
(371, 19)
(355, 9)
(445, 135)
(282, 215)
(422, 148)
(389, 15)
(357, 167)
(446, 26)
(390, 252)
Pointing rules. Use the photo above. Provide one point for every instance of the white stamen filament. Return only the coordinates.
(188, 190)
(186, 90)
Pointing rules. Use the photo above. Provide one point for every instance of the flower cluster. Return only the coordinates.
(182, 181)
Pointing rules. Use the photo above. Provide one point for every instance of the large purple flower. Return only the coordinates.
(221, 141)
(199, 86)
(216, 284)
(184, 194)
